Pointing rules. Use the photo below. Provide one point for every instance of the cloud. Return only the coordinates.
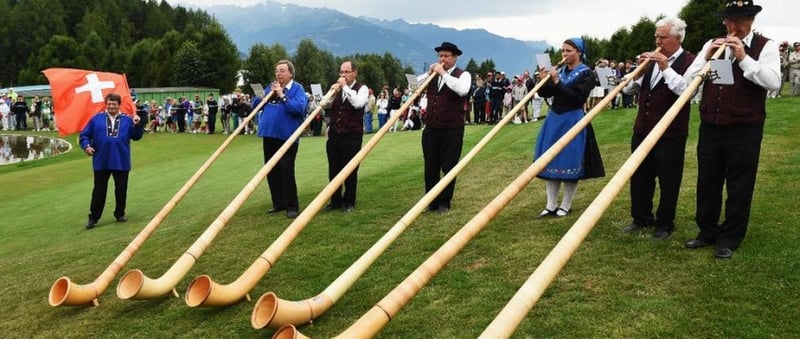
(549, 20)
(430, 11)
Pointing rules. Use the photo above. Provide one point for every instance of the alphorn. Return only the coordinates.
(376, 318)
(521, 303)
(66, 292)
(271, 311)
(136, 285)
(203, 291)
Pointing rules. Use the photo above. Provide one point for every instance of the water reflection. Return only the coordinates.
(17, 147)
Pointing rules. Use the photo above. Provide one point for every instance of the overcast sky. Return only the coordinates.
(549, 20)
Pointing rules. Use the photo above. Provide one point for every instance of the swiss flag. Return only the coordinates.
(80, 94)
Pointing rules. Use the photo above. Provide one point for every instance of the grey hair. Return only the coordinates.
(677, 26)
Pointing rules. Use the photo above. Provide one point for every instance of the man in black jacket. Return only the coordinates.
(19, 111)
(499, 85)
(213, 107)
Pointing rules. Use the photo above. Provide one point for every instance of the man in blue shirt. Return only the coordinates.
(281, 116)
(107, 139)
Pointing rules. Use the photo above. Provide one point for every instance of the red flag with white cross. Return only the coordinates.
(80, 94)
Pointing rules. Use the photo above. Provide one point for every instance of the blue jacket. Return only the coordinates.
(110, 153)
(280, 118)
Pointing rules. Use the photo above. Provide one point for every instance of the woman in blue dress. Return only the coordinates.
(568, 87)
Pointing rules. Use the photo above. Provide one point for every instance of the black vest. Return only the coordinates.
(655, 102)
(345, 119)
(445, 107)
(743, 103)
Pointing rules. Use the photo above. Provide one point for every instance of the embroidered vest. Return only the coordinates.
(655, 102)
(445, 107)
(743, 103)
(345, 119)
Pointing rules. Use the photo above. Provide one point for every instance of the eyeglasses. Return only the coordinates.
(345, 72)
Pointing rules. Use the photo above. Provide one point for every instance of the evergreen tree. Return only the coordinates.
(259, 67)
(189, 66)
(642, 39)
(219, 52)
(106, 32)
(701, 23)
(60, 51)
(93, 49)
(487, 66)
(369, 71)
(314, 66)
(392, 69)
(143, 69)
(6, 72)
(472, 67)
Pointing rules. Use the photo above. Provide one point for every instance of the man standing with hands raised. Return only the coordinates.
(659, 87)
(345, 133)
(282, 115)
(107, 139)
(731, 127)
(443, 136)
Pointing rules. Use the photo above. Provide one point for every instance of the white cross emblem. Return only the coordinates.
(95, 87)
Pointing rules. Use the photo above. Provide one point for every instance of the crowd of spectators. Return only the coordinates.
(490, 98)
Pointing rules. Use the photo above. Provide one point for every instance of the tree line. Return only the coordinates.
(156, 44)
(316, 66)
(153, 43)
(627, 43)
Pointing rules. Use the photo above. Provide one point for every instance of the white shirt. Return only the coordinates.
(674, 81)
(356, 99)
(383, 104)
(765, 72)
(794, 60)
(459, 85)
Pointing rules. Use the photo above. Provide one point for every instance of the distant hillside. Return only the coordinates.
(508, 54)
(341, 34)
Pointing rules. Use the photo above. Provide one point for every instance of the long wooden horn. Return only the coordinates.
(376, 318)
(66, 292)
(203, 291)
(512, 314)
(271, 311)
(136, 285)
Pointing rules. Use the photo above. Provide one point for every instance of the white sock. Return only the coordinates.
(552, 187)
(570, 187)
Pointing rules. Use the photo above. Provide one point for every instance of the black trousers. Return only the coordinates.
(212, 122)
(441, 149)
(726, 156)
(497, 110)
(479, 111)
(100, 189)
(665, 164)
(282, 185)
(181, 122)
(22, 122)
(341, 148)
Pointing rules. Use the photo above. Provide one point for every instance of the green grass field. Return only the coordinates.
(616, 285)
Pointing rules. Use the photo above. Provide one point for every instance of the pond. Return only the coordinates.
(18, 147)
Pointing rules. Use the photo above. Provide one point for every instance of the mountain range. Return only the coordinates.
(341, 34)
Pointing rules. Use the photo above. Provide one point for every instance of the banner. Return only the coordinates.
(80, 94)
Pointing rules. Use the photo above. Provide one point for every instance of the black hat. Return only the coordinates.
(739, 8)
(448, 46)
